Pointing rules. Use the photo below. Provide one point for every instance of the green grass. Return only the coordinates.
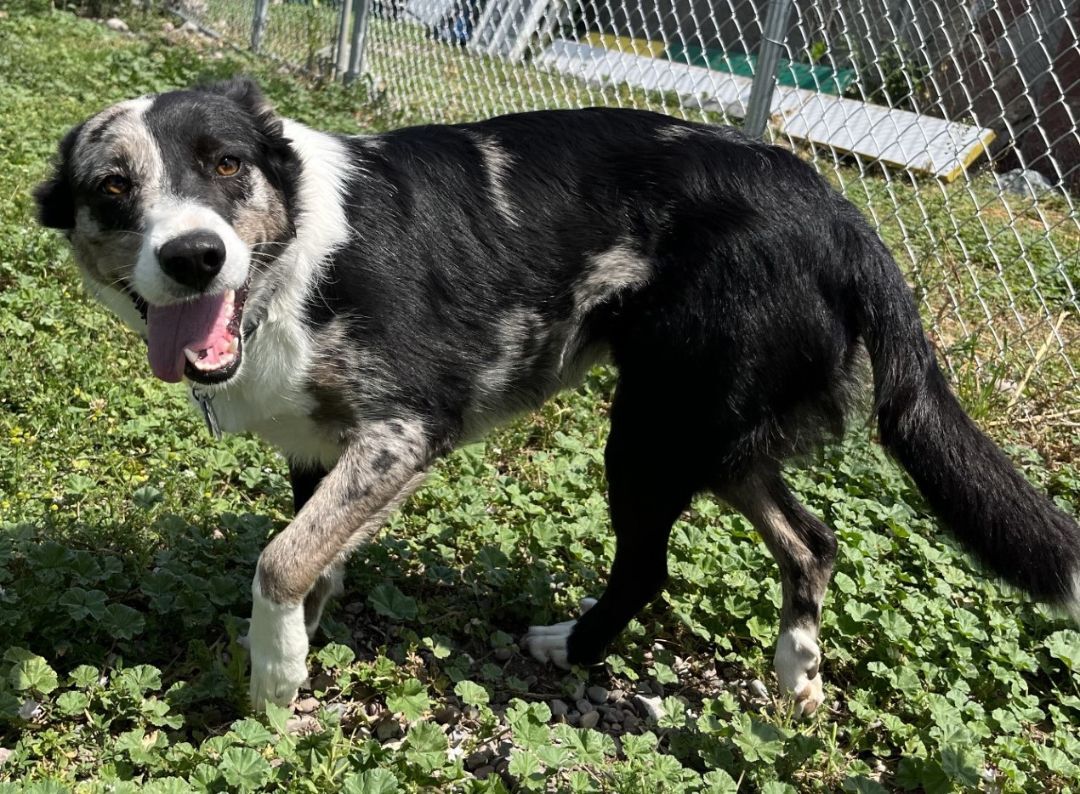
(127, 541)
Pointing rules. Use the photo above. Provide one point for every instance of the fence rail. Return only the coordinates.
(953, 124)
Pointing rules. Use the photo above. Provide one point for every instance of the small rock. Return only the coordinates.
(167, 27)
(30, 710)
(447, 715)
(322, 682)
(502, 765)
(589, 720)
(117, 24)
(597, 694)
(195, 8)
(372, 709)
(616, 695)
(630, 722)
(1024, 182)
(483, 772)
(478, 759)
(388, 728)
(758, 689)
(652, 708)
(584, 706)
(558, 708)
(5, 754)
(189, 27)
(611, 716)
(579, 691)
(307, 705)
(354, 607)
(302, 725)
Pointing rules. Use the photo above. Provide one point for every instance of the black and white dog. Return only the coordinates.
(369, 303)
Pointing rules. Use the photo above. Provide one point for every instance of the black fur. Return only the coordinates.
(55, 199)
(740, 351)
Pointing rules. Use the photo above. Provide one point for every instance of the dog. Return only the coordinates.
(369, 303)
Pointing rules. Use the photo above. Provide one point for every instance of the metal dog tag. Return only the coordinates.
(206, 404)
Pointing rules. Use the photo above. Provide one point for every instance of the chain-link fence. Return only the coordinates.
(952, 123)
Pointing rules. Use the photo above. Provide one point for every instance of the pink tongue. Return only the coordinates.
(171, 328)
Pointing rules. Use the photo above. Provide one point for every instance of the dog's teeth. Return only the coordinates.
(234, 345)
(191, 356)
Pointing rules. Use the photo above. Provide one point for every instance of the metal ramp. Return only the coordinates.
(899, 137)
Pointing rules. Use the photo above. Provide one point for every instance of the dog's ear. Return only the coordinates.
(54, 197)
(243, 91)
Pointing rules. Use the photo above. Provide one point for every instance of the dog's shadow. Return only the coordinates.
(178, 599)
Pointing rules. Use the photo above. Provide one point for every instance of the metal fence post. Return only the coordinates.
(359, 35)
(258, 24)
(341, 62)
(772, 43)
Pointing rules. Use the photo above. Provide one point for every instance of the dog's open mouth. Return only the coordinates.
(200, 339)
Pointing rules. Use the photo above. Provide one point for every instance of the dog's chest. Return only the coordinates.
(270, 399)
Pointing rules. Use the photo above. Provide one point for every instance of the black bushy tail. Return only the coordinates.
(973, 487)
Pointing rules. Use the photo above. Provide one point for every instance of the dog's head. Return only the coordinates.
(171, 203)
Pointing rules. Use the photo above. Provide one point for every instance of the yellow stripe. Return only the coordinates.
(973, 154)
(607, 41)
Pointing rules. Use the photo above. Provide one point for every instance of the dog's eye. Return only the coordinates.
(228, 166)
(115, 185)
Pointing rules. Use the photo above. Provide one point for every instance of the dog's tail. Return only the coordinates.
(1015, 530)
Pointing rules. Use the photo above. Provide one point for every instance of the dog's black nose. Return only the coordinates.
(193, 259)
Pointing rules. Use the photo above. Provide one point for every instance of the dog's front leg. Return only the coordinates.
(378, 469)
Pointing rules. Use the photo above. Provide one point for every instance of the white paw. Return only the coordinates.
(548, 643)
(278, 643)
(798, 668)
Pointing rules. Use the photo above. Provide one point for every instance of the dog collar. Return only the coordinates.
(205, 401)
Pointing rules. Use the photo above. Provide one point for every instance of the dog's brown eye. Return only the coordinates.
(228, 166)
(115, 185)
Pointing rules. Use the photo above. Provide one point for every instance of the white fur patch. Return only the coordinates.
(126, 129)
(278, 643)
(798, 669)
(119, 303)
(497, 164)
(675, 133)
(493, 400)
(548, 643)
(170, 218)
(607, 274)
(617, 269)
(268, 395)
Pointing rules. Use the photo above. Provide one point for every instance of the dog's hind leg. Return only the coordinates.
(804, 549)
(381, 464)
(648, 487)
